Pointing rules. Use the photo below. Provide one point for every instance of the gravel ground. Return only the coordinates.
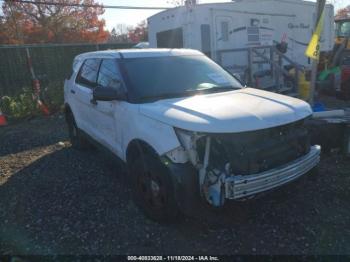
(56, 200)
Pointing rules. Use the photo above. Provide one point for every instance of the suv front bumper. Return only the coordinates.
(237, 187)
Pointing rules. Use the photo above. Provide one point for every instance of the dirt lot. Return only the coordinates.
(55, 200)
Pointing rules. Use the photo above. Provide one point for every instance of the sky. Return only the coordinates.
(114, 17)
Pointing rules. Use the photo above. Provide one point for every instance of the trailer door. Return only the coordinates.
(225, 38)
(223, 32)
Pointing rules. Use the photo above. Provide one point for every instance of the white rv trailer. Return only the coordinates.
(241, 24)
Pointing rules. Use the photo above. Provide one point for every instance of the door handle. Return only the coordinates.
(72, 91)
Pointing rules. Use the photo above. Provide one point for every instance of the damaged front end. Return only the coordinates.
(239, 165)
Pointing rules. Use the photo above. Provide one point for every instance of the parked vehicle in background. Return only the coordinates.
(239, 25)
(188, 131)
(343, 32)
(141, 45)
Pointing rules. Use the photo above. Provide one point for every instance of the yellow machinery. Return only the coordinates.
(342, 32)
(304, 86)
(303, 83)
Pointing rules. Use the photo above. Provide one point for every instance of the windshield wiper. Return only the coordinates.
(189, 93)
(165, 96)
(220, 89)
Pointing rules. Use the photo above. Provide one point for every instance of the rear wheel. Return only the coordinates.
(153, 189)
(75, 136)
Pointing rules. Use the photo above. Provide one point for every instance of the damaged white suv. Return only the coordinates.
(188, 130)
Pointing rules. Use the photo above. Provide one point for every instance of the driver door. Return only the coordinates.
(106, 114)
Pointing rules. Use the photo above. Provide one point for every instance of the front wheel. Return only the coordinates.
(153, 188)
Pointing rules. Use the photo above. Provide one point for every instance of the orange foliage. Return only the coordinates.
(343, 13)
(139, 33)
(25, 23)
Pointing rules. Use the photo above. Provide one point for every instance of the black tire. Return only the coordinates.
(153, 189)
(76, 138)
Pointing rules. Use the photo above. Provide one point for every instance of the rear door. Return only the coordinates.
(85, 82)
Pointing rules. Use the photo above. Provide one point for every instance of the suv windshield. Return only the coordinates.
(156, 78)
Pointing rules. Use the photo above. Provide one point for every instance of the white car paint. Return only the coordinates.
(137, 53)
(172, 127)
(159, 135)
(243, 110)
(157, 52)
(115, 124)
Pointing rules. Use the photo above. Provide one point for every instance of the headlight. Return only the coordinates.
(185, 137)
(178, 155)
(188, 141)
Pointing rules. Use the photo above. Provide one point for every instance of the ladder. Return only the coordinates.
(276, 78)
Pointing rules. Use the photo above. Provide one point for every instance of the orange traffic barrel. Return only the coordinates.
(3, 121)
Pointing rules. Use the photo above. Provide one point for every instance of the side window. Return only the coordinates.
(109, 75)
(224, 31)
(88, 72)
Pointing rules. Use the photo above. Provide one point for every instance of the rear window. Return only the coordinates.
(88, 72)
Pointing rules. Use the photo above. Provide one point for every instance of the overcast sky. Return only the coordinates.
(132, 17)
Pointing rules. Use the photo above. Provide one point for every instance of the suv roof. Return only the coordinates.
(136, 53)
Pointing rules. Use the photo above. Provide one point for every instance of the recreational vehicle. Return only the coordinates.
(225, 31)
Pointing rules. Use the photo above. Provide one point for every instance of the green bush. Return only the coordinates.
(20, 106)
(23, 105)
(53, 97)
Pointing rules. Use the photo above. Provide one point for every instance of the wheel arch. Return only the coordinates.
(137, 147)
(68, 113)
(67, 109)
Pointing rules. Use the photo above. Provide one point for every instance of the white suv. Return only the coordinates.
(188, 131)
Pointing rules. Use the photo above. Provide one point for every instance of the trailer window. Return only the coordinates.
(253, 34)
(170, 39)
(224, 31)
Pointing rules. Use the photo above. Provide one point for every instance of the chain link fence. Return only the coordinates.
(52, 63)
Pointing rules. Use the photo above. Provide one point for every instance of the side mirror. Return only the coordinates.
(102, 93)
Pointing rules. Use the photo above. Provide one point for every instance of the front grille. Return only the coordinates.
(257, 151)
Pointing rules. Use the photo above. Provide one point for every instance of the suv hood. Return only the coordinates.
(236, 111)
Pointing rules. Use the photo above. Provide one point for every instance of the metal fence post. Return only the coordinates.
(272, 67)
(250, 71)
(296, 86)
